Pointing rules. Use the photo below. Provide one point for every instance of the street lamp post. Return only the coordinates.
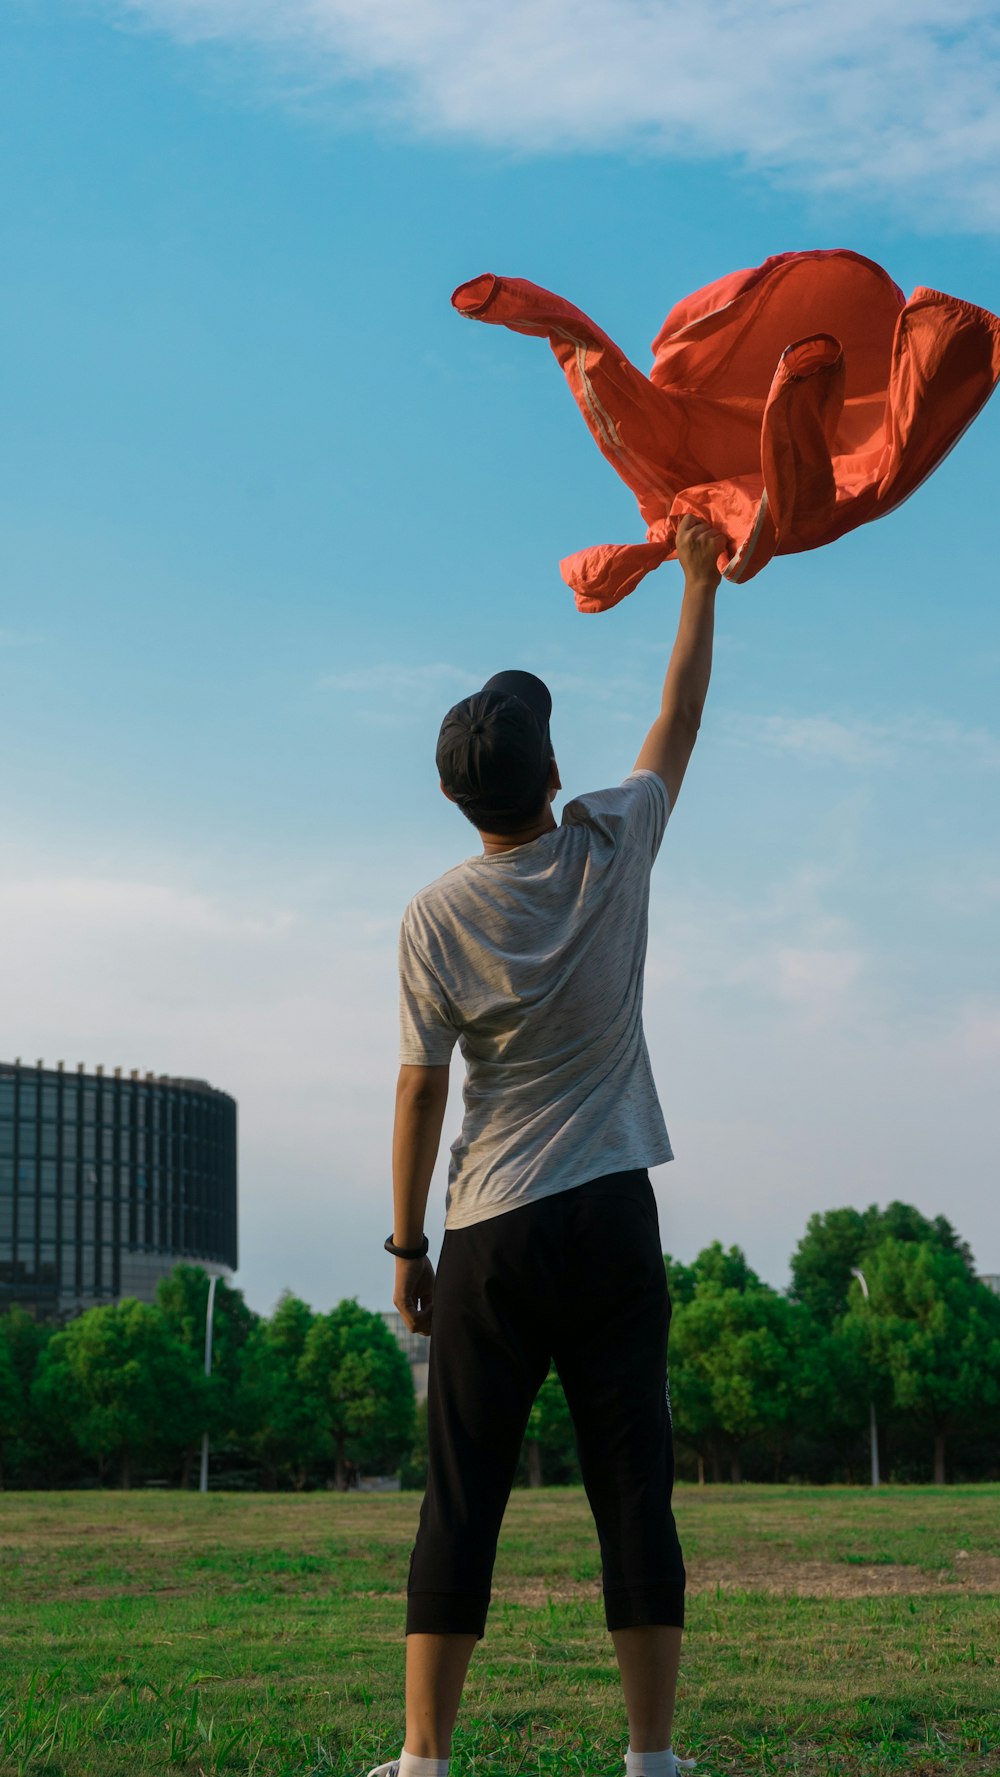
(203, 1488)
(872, 1427)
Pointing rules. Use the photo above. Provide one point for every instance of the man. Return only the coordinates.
(531, 957)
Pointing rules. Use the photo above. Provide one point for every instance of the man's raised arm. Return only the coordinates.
(669, 743)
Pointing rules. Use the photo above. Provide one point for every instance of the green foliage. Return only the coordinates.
(413, 1468)
(277, 1418)
(832, 1245)
(549, 1439)
(763, 1384)
(840, 1240)
(182, 1299)
(360, 1388)
(123, 1385)
(11, 1402)
(733, 1360)
(932, 1336)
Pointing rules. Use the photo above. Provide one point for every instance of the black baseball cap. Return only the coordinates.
(494, 750)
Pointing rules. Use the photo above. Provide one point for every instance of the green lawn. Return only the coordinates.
(830, 1631)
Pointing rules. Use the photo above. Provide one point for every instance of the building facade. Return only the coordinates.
(108, 1181)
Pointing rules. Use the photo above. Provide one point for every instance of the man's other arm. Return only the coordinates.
(669, 743)
(421, 1097)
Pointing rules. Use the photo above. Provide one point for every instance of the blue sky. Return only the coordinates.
(269, 506)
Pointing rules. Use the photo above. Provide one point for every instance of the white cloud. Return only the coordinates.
(84, 908)
(860, 743)
(818, 737)
(873, 97)
(800, 1069)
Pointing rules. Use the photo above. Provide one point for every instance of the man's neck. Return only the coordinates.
(497, 842)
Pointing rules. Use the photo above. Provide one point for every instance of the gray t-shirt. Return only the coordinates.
(532, 960)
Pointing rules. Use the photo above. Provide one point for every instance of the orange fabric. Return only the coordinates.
(786, 405)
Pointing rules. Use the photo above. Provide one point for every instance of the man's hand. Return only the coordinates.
(414, 1293)
(667, 747)
(698, 550)
(421, 1096)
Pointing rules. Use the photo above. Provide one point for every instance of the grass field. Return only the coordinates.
(830, 1631)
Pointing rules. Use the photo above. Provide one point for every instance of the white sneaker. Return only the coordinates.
(389, 1770)
(679, 1765)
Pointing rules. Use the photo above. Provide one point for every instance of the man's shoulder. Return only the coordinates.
(437, 895)
(617, 806)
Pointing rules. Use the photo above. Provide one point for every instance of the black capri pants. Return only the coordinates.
(577, 1278)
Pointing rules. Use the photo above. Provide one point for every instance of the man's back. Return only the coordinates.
(532, 959)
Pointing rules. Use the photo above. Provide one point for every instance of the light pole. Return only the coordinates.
(203, 1488)
(872, 1427)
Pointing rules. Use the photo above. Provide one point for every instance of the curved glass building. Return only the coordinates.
(107, 1182)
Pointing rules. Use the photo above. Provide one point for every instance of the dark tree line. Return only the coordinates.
(777, 1386)
(764, 1385)
(120, 1395)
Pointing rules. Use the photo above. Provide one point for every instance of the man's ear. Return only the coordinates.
(555, 781)
(445, 792)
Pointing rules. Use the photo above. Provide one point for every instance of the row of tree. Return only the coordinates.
(780, 1386)
(764, 1384)
(299, 1399)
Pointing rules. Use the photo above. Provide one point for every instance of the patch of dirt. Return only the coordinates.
(803, 1579)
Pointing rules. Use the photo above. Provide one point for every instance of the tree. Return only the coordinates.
(182, 1299)
(840, 1240)
(38, 1444)
(550, 1441)
(413, 1468)
(932, 1333)
(11, 1403)
(732, 1361)
(821, 1266)
(278, 1419)
(361, 1387)
(726, 1268)
(125, 1386)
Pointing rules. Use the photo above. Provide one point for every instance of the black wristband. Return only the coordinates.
(408, 1252)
